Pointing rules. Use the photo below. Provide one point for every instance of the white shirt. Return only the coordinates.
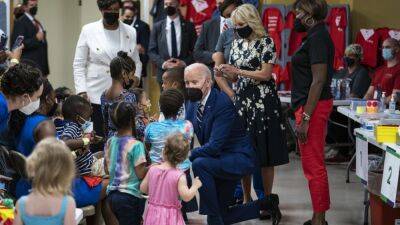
(178, 31)
(114, 40)
(32, 19)
(204, 101)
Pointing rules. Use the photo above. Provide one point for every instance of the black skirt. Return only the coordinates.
(260, 110)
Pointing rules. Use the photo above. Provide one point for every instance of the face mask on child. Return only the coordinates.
(87, 126)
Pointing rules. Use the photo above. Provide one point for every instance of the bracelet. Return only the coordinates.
(86, 141)
(15, 61)
(306, 117)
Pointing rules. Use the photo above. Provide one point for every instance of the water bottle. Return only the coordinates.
(338, 89)
(333, 88)
(392, 104)
(347, 82)
(383, 105)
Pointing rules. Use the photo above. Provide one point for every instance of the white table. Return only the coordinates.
(286, 98)
(78, 215)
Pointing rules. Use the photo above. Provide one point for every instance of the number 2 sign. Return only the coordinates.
(390, 177)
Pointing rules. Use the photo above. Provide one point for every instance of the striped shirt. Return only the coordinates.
(83, 161)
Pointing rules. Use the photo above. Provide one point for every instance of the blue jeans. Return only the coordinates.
(127, 208)
(257, 185)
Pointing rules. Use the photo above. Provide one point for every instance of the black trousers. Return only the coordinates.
(98, 126)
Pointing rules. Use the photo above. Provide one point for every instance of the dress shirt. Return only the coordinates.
(178, 30)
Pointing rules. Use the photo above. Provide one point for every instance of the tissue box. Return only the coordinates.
(386, 134)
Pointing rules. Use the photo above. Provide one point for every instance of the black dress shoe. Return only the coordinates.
(310, 223)
(271, 205)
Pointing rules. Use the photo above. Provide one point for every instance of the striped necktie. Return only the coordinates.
(199, 114)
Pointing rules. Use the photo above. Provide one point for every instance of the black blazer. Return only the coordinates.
(157, 11)
(158, 47)
(207, 41)
(34, 49)
(142, 38)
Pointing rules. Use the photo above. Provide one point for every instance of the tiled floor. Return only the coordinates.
(347, 199)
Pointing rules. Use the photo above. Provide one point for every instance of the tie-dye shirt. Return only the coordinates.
(157, 132)
(122, 155)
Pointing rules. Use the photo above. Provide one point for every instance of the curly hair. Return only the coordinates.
(104, 4)
(176, 148)
(21, 79)
(170, 102)
(74, 106)
(121, 63)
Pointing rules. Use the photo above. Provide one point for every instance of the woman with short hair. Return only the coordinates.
(312, 71)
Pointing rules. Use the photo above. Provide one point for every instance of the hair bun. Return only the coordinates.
(122, 54)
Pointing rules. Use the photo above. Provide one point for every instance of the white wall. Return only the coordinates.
(63, 20)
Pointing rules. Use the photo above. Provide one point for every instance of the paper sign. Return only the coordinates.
(390, 177)
(199, 5)
(362, 159)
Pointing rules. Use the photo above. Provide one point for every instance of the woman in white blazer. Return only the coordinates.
(98, 44)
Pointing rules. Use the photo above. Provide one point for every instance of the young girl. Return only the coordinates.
(125, 161)
(52, 170)
(165, 184)
(143, 110)
(122, 69)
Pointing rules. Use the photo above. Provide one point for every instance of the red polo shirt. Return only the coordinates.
(387, 79)
(198, 18)
(337, 22)
(273, 22)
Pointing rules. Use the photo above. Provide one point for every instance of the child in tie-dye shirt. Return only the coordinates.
(126, 164)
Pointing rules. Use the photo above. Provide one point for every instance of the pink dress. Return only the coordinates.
(164, 206)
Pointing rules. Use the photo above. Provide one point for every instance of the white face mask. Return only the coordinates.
(31, 107)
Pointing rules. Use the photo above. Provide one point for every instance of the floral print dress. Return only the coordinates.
(258, 103)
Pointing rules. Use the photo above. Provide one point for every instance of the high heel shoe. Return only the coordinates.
(271, 204)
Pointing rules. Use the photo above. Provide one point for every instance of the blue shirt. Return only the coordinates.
(83, 161)
(25, 140)
(157, 133)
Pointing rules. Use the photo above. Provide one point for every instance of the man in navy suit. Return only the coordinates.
(225, 155)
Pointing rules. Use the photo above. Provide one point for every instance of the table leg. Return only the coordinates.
(366, 206)
(353, 158)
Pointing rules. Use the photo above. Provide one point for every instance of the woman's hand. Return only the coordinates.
(229, 70)
(302, 131)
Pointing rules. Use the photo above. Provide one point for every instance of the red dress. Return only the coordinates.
(369, 41)
(337, 22)
(273, 22)
(295, 38)
(198, 18)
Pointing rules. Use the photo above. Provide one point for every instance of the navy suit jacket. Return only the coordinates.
(222, 135)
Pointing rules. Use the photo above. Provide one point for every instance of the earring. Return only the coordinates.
(310, 21)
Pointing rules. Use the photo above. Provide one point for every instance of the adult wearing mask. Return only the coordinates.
(98, 44)
(225, 154)
(172, 41)
(312, 71)
(250, 65)
(354, 72)
(35, 42)
(359, 80)
(130, 16)
(21, 88)
(387, 77)
(211, 31)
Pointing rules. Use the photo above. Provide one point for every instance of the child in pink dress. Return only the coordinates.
(166, 185)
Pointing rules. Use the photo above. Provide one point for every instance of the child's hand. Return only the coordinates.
(197, 182)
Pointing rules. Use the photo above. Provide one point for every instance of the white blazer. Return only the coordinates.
(93, 56)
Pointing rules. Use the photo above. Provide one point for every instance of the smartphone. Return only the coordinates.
(3, 42)
(18, 42)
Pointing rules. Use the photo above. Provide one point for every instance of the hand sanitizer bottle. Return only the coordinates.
(392, 104)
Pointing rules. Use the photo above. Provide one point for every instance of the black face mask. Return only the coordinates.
(33, 10)
(111, 18)
(129, 22)
(194, 94)
(170, 10)
(299, 26)
(244, 32)
(53, 110)
(349, 62)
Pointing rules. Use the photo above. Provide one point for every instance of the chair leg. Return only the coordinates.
(353, 159)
